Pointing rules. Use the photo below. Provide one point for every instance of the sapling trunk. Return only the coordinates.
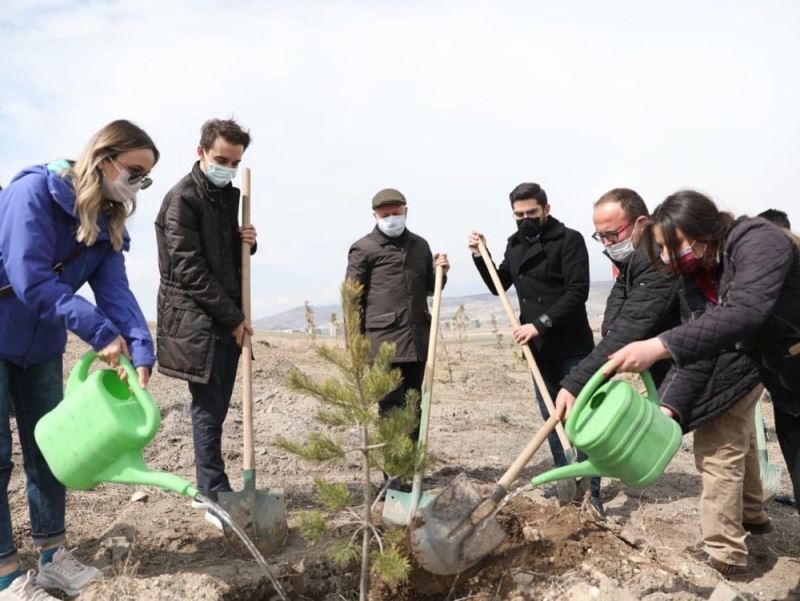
(367, 532)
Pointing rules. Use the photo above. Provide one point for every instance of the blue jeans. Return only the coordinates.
(210, 403)
(33, 391)
(553, 371)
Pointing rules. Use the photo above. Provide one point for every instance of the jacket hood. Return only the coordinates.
(60, 188)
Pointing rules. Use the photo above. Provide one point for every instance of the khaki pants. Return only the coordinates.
(726, 456)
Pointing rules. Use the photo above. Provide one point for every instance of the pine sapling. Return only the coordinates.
(349, 403)
(461, 324)
(497, 333)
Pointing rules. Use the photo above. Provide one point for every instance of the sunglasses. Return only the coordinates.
(134, 175)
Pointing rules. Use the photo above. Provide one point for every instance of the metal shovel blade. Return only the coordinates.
(770, 472)
(444, 539)
(260, 513)
(398, 506)
(568, 490)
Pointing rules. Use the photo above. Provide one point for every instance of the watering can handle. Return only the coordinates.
(594, 383)
(152, 416)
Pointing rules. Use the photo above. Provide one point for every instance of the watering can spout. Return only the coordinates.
(131, 469)
(583, 469)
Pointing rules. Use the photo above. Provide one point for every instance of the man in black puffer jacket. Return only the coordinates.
(201, 325)
(643, 301)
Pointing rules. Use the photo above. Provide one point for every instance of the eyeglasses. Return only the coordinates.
(532, 214)
(134, 176)
(612, 236)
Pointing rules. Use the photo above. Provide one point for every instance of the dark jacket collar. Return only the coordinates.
(552, 230)
(205, 188)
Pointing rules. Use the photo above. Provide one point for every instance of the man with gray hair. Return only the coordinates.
(396, 268)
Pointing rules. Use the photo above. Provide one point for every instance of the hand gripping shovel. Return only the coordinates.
(458, 528)
(261, 513)
(770, 472)
(400, 507)
(567, 489)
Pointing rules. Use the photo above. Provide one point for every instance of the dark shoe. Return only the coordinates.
(728, 570)
(597, 505)
(785, 500)
(400, 486)
(758, 528)
(550, 492)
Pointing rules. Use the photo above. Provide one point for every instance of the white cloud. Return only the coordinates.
(453, 103)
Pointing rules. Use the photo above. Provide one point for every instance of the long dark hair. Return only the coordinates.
(699, 219)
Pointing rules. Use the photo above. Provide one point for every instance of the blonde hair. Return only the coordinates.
(87, 181)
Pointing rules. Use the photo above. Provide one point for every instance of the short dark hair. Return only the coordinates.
(228, 129)
(529, 191)
(632, 204)
(779, 218)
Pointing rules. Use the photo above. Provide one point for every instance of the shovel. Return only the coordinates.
(770, 472)
(458, 527)
(400, 507)
(260, 513)
(567, 489)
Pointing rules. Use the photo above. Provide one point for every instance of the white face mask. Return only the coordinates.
(393, 225)
(120, 189)
(622, 251)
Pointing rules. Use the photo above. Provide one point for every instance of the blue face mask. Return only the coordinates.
(218, 175)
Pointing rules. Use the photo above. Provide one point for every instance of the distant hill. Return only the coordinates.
(478, 306)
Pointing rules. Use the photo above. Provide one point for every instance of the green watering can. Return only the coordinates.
(623, 434)
(97, 433)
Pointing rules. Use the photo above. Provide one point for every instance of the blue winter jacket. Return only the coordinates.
(37, 230)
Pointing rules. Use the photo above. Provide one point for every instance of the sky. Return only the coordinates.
(453, 103)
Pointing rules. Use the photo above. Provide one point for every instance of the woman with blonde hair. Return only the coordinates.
(63, 225)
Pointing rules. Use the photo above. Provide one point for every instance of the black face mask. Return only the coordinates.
(530, 228)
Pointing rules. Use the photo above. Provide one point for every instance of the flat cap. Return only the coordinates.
(388, 196)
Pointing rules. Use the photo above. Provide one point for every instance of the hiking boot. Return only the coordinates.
(728, 570)
(25, 588)
(66, 573)
(758, 528)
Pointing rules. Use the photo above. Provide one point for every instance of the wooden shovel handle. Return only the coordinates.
(529, 451)
(427, 380)
(247, 343)
(512, 317)
(501, 488)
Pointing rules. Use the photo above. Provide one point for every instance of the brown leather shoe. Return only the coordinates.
(758, 528)
(728, 570)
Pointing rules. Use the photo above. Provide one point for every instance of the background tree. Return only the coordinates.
(311, 325)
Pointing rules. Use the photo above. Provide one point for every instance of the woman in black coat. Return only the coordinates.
(758, 308)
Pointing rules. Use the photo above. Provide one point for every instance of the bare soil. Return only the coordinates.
(157, 547)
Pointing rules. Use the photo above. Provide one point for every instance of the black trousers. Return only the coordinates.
(787, 427)
(210, 404)
(413, 374)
